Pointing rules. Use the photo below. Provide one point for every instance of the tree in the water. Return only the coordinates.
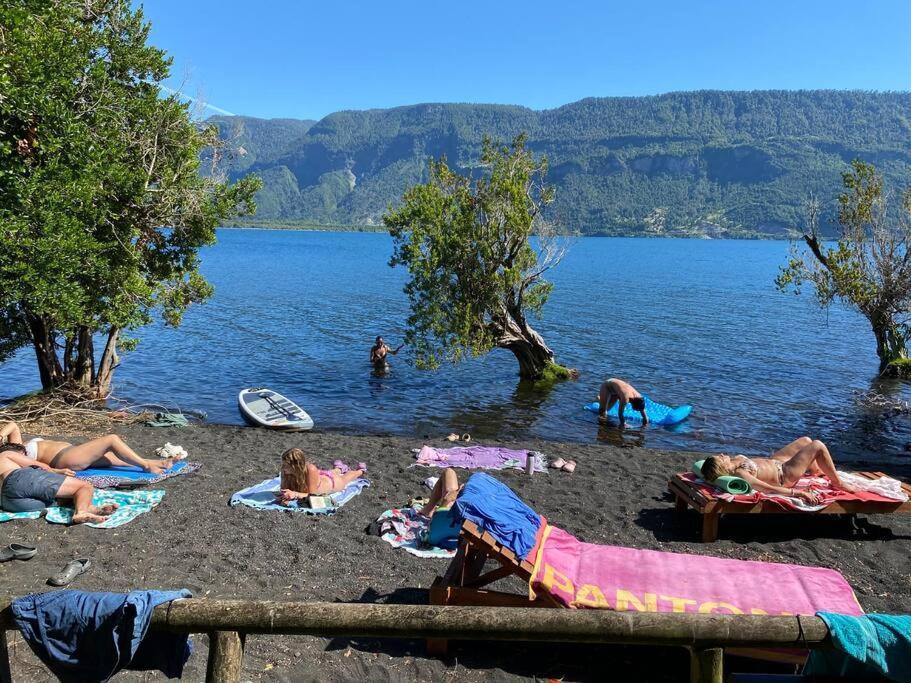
(476, 273)
(868, 267)
(103, 207)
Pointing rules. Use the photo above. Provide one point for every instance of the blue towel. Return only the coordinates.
(89, 637)
(262, 497)
(868, 647)
(494, 507)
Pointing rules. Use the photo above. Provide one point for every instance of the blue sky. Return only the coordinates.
(301, 59)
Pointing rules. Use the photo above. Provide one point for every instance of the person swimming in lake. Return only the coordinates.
(614, 390)
(105, 451)
(378, 354)
(30, 486)
(780, 472)
(300, 479)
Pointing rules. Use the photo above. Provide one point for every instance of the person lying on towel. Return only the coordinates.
(27, 485)
(300, 478)
(445, 522)
(105, 451)
(780, 472)
(614, 390)
(444, 493)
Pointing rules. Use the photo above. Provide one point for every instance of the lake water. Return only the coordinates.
(687, 321)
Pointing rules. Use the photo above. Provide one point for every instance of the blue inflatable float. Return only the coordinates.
(658, 413)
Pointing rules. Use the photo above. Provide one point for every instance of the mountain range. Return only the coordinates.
(702, 163)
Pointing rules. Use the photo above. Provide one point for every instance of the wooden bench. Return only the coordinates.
(688, 494)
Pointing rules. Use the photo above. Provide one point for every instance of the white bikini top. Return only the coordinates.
(31, 447)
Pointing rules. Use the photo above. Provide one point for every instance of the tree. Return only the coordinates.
(102, 205)
(868, 268)
(475, 275)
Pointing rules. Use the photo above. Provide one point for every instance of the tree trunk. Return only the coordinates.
(890, 343)
(84, 364)
(109, 361)
(44, 342)
(527, 345)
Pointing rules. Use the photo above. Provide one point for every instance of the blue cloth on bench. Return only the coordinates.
(868, 647)
(87, 637)
(495, 508)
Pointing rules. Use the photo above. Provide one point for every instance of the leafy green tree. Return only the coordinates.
(869, 266)
(102, 206)
(475, 275)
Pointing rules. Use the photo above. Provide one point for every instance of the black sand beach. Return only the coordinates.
(616, 496)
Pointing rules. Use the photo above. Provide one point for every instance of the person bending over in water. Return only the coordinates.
(781, 471)
(300, 478)
(379, 351)
(27, 486)
(105, 451)
(614, 390)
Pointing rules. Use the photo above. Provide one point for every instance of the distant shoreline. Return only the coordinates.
(316, 227)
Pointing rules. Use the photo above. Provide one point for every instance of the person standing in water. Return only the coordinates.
(614, 390)
(379, 352)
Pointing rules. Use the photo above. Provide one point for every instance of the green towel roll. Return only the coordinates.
(735, 485)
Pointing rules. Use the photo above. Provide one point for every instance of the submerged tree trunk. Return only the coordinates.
(109, 361)
(45, 345)
(891, 346)
(533, 355)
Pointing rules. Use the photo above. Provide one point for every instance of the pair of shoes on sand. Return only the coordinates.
(343, 468)
(455, 437)
(17, 551)
(565, 465)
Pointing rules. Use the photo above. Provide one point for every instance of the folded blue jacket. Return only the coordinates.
(89, 637)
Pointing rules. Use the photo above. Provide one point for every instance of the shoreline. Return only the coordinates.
(616, 496)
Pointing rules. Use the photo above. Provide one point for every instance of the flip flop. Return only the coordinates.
(72, 569)
(558, 464)
(466, 437)
(570, 466)
(452, 437)
(17, 551)
(340, 466)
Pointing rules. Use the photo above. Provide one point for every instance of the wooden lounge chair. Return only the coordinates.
(688, 494)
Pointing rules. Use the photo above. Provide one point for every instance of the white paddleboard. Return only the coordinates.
(266, 408)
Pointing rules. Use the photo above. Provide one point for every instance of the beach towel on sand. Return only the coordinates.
(407, 529)
(867, 647)
(479, 458)
(129, 477)
(131, 505)
(87, 637)
(262, 497)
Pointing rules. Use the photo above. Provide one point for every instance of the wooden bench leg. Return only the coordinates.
(226, 657)
(679, 504)
(707, 666)
(710, 527)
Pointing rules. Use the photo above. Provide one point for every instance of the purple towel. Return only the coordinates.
(479, 458)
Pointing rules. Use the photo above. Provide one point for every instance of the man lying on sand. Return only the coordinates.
(779, 473)
(614, 390)
(27, 485)
(300, 479)
(105, 451)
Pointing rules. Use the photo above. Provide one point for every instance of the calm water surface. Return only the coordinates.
(687, 321)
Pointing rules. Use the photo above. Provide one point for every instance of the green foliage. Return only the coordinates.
(102, 205)
(713, 163)
(465, 243)
(869, 266)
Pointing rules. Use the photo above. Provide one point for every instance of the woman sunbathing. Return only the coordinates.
(105, 451)
(780, 472)
(300, 479)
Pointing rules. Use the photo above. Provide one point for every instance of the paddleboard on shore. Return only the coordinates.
(658, 413)
(263, 407)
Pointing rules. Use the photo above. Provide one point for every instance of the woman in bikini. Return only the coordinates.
(105, 451)
(780, 472)
(300, 478)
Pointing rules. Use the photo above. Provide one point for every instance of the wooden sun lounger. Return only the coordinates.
(687, 494)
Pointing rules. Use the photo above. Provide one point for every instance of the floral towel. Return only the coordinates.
(131, 505)
(406, 528)
(133, 477)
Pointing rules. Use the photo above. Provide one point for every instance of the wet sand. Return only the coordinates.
(616, 496)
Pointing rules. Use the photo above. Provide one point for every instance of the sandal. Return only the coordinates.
(569, 466)
(466, 437)
(17, 551)
(72, 569)
(558, 464)
(452, 437)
